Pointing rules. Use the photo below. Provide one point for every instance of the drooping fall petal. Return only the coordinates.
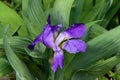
(57, 60)
(74, 46)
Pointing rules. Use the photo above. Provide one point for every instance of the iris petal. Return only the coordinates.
(47, 36)
(35, 41)
(76, 30)
(74, 46)
(57, 61)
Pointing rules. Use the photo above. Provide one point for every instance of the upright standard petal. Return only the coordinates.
(57, 60)
(76, 30)
(74, 46)
(47, 36)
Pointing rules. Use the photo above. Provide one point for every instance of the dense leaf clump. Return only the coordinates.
(22, 20)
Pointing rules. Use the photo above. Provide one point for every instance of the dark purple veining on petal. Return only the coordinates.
(61, 37)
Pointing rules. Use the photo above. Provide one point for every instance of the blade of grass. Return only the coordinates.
(32, 9)
(19, 67)
(96, 70)
(61, 12)
(9, 16)
(91, 13)
(5, 67)
(112, 11)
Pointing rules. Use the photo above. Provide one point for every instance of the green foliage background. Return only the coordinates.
(22, 20)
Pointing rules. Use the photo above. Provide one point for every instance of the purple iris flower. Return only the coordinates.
(67, 40)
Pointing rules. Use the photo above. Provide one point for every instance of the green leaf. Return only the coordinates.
(89, 24)
(38, 73)
(36, 53)
(105, 8)
(112, 11)
(17, 1)
(1, 30)
(76, 10)
(9, 16)
(5, 67)
(18, 44)
(34, 13)
(94, 31)
(35, 20)
(20, 68)
(1, 52)
(96, 70)
(92, 12)
(117, 72)
(47, 4)
(61, 12)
